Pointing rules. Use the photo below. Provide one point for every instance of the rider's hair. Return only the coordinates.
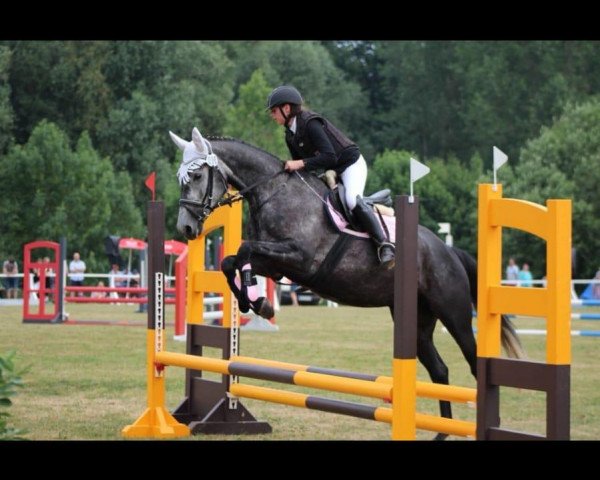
(295, 109)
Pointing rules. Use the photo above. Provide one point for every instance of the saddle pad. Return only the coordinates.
(342, 224)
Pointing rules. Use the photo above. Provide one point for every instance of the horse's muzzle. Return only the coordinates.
(189, 227)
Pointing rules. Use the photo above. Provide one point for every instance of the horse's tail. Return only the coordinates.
(509, 338)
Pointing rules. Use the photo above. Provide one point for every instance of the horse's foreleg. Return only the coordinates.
(228, 267)
(265, 253)
(245, 289)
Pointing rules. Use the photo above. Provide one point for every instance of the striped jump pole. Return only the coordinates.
(585, 303)
(585, 316)
(156, 421)
(435, 391)
(404, 363)
(358, 410)
(332, 380)
(574, 333)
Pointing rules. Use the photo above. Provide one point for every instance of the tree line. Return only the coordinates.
(83, 123)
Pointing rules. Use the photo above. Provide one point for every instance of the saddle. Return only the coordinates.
(380, 201)
(343, 221)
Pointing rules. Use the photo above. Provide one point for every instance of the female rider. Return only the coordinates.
(315, 143)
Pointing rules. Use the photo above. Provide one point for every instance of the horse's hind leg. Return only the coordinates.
(458, 322)
(431, 360)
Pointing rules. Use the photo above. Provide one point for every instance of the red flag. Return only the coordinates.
(150, 183)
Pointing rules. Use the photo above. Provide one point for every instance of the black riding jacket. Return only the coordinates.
(320, 144)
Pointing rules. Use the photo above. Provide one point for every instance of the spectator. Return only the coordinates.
(49, 272)
(36, 277)
(99, 294)
(294, 287)
(11, 269)
(134, 283)
(116, 279)
(512, 272)
(76, 270)
(525, 276)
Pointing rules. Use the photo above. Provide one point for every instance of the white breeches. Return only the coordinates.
(355, 178)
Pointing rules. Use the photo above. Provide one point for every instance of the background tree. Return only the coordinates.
(309, 67)
(247, 119)
(446, 102)
(163, 86)
(563, 163)
(58, 191)
(6, 114)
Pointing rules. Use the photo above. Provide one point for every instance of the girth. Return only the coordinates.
(330, 262)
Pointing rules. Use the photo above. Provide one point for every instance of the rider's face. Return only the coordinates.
(276, 113)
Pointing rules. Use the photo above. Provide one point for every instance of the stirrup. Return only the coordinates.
(388, 263)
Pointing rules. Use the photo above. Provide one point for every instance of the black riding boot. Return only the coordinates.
(365, 215)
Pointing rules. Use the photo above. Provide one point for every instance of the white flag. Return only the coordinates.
(500, 158)
(444, 227)
(417, 170)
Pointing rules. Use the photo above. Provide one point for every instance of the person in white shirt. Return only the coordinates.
(512, 272)
(76, 270)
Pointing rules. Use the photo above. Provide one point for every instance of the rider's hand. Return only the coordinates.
(292, 165)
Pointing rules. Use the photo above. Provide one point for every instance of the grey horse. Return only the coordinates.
(289, 234)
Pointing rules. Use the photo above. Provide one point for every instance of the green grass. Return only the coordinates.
(88, 382)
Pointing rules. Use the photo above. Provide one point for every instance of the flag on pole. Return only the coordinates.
(500, 158)
(417, 170)
(151, 184)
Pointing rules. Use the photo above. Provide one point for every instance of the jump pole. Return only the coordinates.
(207, 407)
(404, 363)
(156, 421)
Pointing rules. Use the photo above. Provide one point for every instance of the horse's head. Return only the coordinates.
(202, 183)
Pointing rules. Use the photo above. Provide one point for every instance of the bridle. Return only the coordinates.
(200, 210)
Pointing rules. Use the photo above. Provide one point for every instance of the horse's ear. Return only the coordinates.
(180, 142)
(198, 140)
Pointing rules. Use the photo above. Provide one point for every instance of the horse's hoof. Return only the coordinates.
(263, 308)
(440, 436)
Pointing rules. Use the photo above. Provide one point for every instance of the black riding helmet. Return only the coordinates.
(282, 95)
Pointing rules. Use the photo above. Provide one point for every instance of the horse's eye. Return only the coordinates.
(197, 175)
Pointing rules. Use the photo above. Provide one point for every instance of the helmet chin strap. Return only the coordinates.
(285, 117)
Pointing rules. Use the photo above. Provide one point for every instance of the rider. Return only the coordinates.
(314, 142)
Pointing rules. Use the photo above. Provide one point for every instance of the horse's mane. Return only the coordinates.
(276, 161)
(241, 142)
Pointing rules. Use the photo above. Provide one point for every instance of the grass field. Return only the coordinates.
(88, 382)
